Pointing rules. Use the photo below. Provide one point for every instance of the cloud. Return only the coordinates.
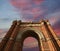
(30, 9)
(4, 19)
(52, 6)
(34, 10)
(53, 17)
(30, 42)
(31, 49)
(2, 33)
(56, 27)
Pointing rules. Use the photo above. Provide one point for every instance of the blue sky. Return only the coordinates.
(49, 9)
(7, 14)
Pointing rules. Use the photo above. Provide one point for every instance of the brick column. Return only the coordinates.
(11, 41)
(53, 33)
(47, 37)
(55, 44)
(7, 36)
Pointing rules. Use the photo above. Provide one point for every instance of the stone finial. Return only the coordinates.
(19, 22)
(47, 22)
(14, 22)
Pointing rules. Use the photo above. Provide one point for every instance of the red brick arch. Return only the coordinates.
(42, 31)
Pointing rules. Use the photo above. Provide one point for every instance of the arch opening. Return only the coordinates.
(30, 33)
(30, 44)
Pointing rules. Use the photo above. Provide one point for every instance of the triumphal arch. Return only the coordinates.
(42, 31)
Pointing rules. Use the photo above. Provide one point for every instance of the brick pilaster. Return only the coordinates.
(47, 37)
(7, 36)
(11, 41)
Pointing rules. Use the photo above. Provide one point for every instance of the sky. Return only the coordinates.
(29, 10)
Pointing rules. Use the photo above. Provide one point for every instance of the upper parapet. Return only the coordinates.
(40, 23)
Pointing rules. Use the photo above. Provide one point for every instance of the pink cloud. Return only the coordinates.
(28, 8)
(2, 33)
(30, 42)
(56, 28)
(38, 2)
(31, 49)
(57, 32)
